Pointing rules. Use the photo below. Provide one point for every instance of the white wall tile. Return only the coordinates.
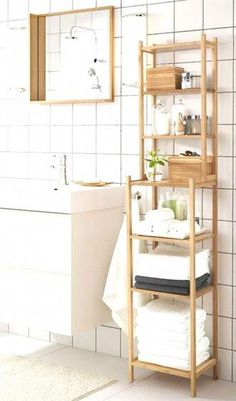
(84, 114)
(225, 236)
(83, 166)
(225, 300)
(39, 138)
(108, 167)
(109, 113)
(85, 340)
(129, 110)
(84, 139)
(225, 42)
(61, 5)
(225, 74)
(78, 4)
(130, 166)
(108, 139)
(225, 198)
(39, 114)
(39, 7)
(192, 8)
(61, 139)
(18, 139)
(225, 268)
(18, 9)
(3, 138)
(130, 140)
(61, 114)
(225, 172)
(108, 340)
(161, 18)
(225, 115)
(225, 139)
(39, 166)
(4, 327)
(218, 13)
(3, 10)
(225, 362)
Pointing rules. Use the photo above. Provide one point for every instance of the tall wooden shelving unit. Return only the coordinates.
(206, 181)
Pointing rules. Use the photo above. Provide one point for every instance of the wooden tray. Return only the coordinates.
(93, 183)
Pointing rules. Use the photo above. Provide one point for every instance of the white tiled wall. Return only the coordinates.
(103, 139)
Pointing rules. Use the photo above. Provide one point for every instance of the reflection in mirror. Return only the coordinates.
(78, 56)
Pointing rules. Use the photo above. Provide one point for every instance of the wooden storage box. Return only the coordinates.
(164, 77)
(188, 167)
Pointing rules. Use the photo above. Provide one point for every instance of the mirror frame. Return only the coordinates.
(37, 24)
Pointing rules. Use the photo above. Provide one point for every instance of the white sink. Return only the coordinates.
(45, 197)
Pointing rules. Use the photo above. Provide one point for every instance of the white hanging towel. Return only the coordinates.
(115, 292)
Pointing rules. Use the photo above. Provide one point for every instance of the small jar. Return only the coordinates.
(181, 209)
(196, 124)
(186, 80)
(195, 81)
(188, 125)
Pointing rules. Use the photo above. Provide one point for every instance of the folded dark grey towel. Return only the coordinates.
(175, 283)
(173, 286)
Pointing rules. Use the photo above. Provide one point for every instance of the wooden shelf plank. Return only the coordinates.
(171, 47)
(181, 183)
(203, 367)
(176, 92)
(168, 295)
(175, 136)
(198, 238)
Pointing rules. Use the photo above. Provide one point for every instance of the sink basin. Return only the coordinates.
(46, 197)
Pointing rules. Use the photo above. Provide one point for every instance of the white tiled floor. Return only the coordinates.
(147, 386)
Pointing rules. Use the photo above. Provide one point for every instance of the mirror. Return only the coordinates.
(71, 56)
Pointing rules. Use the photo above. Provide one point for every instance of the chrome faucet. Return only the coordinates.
(62, 180)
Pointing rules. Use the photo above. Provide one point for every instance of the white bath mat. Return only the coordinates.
(23, 379)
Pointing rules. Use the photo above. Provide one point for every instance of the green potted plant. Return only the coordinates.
(155, 159)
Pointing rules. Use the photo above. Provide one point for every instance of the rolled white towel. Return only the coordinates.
(167, 336)
(172, 362)
(159, 215)
(168, 311)
(145, 345)
(182, 227)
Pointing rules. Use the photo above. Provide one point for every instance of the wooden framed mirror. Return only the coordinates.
(71, 56)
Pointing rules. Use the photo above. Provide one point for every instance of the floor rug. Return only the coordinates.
(23, 379)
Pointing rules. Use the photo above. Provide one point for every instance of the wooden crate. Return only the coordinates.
(165, 77)
(188, 167)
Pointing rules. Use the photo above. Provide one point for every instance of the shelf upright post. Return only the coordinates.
(203, 107)
(141, 111)
(154, 140)
(215, 208)
(129, 280)
(192, 251)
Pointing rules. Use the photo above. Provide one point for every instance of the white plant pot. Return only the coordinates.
(154, 176)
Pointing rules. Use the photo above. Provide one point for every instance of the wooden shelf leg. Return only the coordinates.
(192, 286)
(130, 281)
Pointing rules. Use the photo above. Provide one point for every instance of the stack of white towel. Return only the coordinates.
(163, 334)
(161, 223)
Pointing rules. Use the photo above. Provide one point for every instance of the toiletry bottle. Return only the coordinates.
(161, 119)
(181, 208)
(177, 108)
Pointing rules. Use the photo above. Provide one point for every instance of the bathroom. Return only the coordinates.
(101, 142)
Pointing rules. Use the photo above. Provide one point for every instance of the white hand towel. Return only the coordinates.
(167, 336)
(168, 311)
(172, 362)
(171, 262)
(147, 346)
(115, 292)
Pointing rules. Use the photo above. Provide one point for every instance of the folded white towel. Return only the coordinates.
(159, 215)
(168, 336)
(172, 362)
(168, 325)
(171, 262)
(167, 228)
(168, 311)
(146, 346)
